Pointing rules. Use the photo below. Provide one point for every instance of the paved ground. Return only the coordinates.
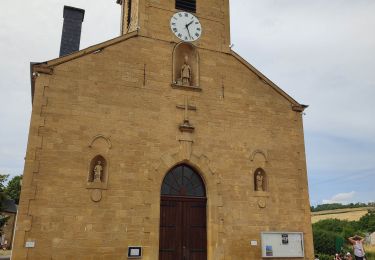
(4, 257)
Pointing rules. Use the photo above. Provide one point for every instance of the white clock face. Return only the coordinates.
(186, 26)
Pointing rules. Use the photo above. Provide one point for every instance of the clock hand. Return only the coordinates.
(187, 28)
(189, 24)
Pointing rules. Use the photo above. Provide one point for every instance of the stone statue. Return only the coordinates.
(98, 171)
(259, 181)
(186, 73)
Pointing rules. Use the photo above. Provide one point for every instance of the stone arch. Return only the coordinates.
(181, 50)
(183, 180)
(100, 137)
(260, 180)
(260, 152)
(212, 184)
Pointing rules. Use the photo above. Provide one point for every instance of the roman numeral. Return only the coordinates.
(198, 29)
(174, 29)
(180, 14)
(186, 15)
(179, 35)
(197, 34)
(173, 23)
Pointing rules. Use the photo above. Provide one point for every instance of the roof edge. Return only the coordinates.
(47, 66)
(296, 106)
(91, 49)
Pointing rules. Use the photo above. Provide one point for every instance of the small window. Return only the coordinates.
(183, 181)
(186, 5)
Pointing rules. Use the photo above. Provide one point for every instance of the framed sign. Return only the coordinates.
(134, 252)
(282, 244)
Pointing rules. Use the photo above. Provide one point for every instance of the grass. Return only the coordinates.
(343, 214)
(369, 248)
(5, 252)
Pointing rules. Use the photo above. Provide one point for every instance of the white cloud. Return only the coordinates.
(341, 198)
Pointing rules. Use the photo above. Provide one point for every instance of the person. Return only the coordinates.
(5, 245)
(316, 257)
(337, 257)
(348, 256)
(357, 242)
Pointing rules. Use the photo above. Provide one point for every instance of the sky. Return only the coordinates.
(320, 52)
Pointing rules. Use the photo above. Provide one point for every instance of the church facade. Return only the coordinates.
(162, 142)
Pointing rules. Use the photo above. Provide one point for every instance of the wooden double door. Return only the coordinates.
(183, 229)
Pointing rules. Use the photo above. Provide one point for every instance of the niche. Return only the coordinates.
(98, 170)
(260, 180)
(185, 65)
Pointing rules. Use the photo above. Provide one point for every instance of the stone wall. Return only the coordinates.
(119, 103)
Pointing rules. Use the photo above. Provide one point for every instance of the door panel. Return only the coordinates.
(183, 229)
(195, 228)
(170, 230)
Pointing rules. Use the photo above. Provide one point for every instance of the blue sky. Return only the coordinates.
(320, 52)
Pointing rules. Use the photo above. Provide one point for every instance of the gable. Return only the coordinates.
(47, 67)
(295, 105)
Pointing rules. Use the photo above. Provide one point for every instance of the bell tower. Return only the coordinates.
(152, 19)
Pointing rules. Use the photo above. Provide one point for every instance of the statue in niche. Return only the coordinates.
(186, 72)
(259, 181)
(98, 171)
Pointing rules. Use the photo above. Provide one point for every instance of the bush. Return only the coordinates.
(324, 257)
(367, 222)
(324, 241)
(331, 235)
(370, 256)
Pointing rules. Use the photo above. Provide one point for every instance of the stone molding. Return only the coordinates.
(94, 152)
(259, 151)
(107, 139)
(211, 179)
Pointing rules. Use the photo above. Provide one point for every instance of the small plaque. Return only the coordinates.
(134, 252)
(30, 244)
(254, 243)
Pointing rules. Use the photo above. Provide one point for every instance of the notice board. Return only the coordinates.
(282, 244)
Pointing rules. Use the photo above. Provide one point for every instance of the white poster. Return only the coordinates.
(282, 244)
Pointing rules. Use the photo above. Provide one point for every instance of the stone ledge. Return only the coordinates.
(96, 185)
(191, 88)
(265, 194)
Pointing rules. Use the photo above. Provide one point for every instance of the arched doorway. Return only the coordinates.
(183, 230)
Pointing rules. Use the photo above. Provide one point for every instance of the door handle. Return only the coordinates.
(184, 253)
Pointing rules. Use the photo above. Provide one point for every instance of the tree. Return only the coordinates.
(367, 222)
(324, 241)
(13, 188)
(331, 235)
(3, 196)
(3, 179)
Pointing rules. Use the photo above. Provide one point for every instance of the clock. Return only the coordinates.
(186, 26)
